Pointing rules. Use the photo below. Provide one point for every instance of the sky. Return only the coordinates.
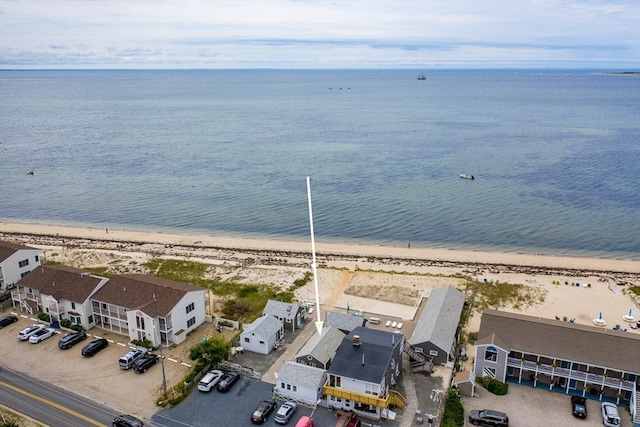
(320, 34)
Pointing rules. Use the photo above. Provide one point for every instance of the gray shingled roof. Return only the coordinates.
(264, 326)
(344, 321)
(7, 249)
(377, 348)
(302, 375)
(62, 282)
(586, 344)
(322, 347)
(282, 310)
(439, 320)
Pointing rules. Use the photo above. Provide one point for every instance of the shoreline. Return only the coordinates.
(55, 235)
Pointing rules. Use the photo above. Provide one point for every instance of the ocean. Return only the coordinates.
(555, 155)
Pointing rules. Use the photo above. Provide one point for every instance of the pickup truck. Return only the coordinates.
(128, 359)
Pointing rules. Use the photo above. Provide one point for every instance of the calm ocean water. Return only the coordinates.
(556, 155)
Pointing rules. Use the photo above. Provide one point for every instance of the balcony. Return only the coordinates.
(587, 377)
(394, 398)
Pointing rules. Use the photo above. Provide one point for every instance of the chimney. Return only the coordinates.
(356, 341)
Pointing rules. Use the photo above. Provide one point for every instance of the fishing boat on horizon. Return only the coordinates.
(467, 176)
(421, 76)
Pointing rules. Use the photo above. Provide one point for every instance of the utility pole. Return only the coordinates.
(164, 377)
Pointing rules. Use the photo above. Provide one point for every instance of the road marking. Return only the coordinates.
(55, 405)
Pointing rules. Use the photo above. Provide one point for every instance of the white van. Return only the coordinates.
(610, 415)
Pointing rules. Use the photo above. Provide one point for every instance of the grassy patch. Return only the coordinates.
(499, 294)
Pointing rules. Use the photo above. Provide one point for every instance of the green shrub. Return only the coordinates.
(453, 415)
(493, 385)
(142, 343)
(66, 323)
(44, 317)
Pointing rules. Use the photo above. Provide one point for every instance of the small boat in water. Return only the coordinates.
(421, 76)
(467, 176)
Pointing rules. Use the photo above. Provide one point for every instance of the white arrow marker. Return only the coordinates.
(319, 322)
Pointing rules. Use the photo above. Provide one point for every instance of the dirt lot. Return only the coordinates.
(529, 407)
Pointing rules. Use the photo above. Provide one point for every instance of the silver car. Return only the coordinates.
(285, 412)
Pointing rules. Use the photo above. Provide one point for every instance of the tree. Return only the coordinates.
(212, 350)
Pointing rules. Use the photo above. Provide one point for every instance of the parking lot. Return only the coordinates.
(529, 407)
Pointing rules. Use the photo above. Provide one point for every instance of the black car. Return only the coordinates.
(5, 297)
(94, 346)
(70, 340)
(145, 362)
(579, 406)
(488, 417)
(7, 320)
(261, 412)
(227, 381)
(127, 421)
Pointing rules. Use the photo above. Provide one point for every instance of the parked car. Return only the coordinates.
(70, 340)
(41, 335)
(579, 406)
(210, 380)
(95, 346)
(7, 320)
(127, 421)
(610, 415)
(353, 422)
(262, 411)
(285, 412)
(305, 422)
(488, 417)
(227, 381)
(145, 362)
(129, 358)
(5, 297)
(24, 334)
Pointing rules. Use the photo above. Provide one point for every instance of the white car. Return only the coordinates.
(41, 335)
(210, 380)
(24, 334)
(610, 415)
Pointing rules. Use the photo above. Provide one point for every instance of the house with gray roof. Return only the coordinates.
(290, 314)
(262, 335)
(146, 307)
(346, 322)
(364, 374)
(300, 382)
(319, 350)
(436, 333)
(586, 360)
(61, 291)
(16, 261)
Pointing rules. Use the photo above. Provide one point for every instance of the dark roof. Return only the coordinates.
(154, 296)
(568, 341)
(62, 282)
(377, 348)
(7, 249)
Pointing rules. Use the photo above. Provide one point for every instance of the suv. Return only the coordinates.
(127, 361)
(145, 362)
(70, 340)
(488, 417)
(210, 380)
(579, 406)
(127, 421)
(227, 381)
(610, 415)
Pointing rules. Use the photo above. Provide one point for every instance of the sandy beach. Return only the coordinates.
(375, 279)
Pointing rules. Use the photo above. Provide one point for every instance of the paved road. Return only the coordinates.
(49, 404)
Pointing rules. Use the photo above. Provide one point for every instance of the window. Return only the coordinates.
(37, 258)
(191, 322)
(491, 354)
(246, 339)
(90, 319)
(191, 307)
(73, 306)
(295, 388)
(23, 263)
(24, 274)
(433, 352)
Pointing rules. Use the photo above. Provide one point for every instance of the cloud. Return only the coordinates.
(319, 34)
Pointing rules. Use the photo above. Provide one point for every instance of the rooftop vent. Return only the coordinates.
(356, 341)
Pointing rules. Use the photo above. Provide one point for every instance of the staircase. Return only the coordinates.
(419, 362)
(636, 413)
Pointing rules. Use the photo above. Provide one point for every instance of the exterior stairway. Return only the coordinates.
(419, 362)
